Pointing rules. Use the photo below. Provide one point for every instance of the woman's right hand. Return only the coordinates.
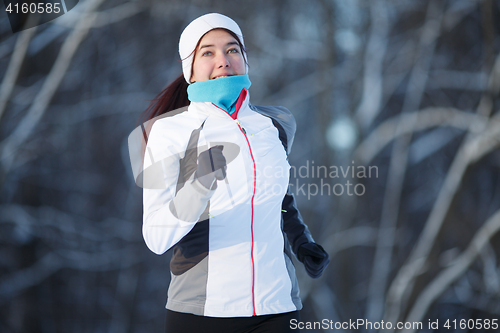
(211, 166)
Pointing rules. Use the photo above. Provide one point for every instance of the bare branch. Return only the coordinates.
(16, 60)
(488, 30)
(42, 100)
(112, 15)
(430, 143)
(473, 148)
(397, 169)
(70, 225)
(426, 119)
(343, 240)
(480, 146)
(101, 107)
(370, 104)
(300, 90)
(7, 46)
(324, 305)
(457, 11)
(25, 97)
(398, 70)
(490, 274)
(446, 79)
(52, 262)
(102, 18)
(25, 278)
(448, 276)
(340, 241)
(290, 49)
(126, 288)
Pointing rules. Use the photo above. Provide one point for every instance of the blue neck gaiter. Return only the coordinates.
(223, 92)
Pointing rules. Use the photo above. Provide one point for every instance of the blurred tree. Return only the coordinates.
(408, 88)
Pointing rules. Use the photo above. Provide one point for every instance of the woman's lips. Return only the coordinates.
(219, 76)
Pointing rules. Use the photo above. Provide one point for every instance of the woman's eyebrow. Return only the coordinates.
(205, 46)
(228, 44)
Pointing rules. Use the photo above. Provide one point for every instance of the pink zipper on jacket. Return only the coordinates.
(239, 102)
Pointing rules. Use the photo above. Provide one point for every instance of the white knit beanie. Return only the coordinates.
(195, 30)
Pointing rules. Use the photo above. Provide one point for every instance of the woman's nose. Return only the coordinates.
(222, 61)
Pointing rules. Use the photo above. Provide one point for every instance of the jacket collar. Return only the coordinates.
(211, 110)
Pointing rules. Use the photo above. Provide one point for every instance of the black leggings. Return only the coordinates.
(179, 322)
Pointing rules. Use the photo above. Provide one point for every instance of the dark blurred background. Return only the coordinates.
(408, 88)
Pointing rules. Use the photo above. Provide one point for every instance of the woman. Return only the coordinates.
(215, 191)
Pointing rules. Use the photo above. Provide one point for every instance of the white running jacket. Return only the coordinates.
(230, 254)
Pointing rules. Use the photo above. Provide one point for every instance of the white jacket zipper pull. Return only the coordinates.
(242, 128)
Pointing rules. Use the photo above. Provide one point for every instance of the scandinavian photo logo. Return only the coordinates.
(330, 180)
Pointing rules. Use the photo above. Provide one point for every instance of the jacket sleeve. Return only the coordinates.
(294, 227)
(170, 211)
(311, 254)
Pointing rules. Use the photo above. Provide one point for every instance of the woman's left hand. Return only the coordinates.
(314, 258)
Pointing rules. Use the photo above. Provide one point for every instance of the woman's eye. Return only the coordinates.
(232, 51)
(206, 53)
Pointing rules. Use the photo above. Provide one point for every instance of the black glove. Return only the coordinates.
(314, 258)
(211, 166)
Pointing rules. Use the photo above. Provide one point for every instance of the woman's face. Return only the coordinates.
(218, 54)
